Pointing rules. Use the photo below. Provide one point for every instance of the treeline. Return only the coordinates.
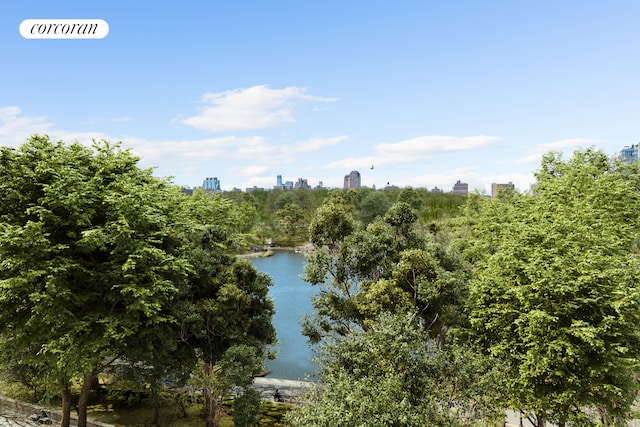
(525, 302)
(283, 216)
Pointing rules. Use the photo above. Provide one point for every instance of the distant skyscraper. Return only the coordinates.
(461, 188)
(211, 184)
(279, 180)
(495, 187)
(301, 183)
(352, 180)
(629, 154)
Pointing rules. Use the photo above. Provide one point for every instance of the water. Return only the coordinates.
(292, 297)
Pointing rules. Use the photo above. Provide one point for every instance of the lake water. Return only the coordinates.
(292, 297)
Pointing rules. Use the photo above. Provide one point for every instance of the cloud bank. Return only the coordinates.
(257, 107)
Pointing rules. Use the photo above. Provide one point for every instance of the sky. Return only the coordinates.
(409, 93)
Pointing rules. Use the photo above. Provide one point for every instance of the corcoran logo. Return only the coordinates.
(64, 29)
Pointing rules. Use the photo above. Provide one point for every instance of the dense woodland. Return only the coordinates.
(433, 310)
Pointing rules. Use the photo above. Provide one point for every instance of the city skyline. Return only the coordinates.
(411, 93)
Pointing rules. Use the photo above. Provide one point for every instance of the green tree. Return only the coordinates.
(389, 375)
(388, 266)
(375, 204)
(411, 197)
(555, 295)
(89, 259)
(291, 219)
(225, 319)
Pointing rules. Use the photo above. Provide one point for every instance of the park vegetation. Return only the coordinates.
(432, 309)
(526, 302)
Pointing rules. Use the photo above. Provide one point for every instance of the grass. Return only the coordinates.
(136, 410)
(141, 415)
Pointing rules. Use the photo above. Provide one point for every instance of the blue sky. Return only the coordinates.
(429, 92)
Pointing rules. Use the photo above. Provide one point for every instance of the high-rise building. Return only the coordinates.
(460, 188)
(495, 187)
(629, 154)
(301, 183)
(352, 180)
(211, 184)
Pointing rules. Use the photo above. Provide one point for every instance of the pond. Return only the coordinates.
(292, 298)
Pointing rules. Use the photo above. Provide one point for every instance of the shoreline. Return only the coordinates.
(303, 249)
(288, 390)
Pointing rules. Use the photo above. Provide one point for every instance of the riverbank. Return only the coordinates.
(303, 249)
(289, 391)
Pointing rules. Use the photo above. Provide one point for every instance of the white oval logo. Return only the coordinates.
(64, 29)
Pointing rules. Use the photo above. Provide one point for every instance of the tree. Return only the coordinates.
(388, 266)
(224, 316)
(373, 205)
(555, 295)
(89, 259)
(291, 219)
(389, 375)
(101, 261)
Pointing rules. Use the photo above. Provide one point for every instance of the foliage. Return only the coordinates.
(89, 257)
(246, 408)
(291, 219)
(555, 295)
(390, 375)
(388, 266)
(101, 261)
(365, 204)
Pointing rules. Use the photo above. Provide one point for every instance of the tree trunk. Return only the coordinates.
(539, 420)
(83, 399)
(66, 407)
(156, 407)
(209, 408)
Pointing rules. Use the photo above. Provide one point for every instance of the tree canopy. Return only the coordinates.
(102, 261)
(555, 292)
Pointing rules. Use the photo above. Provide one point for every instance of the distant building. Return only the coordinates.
(279, 185)
(282, 186)
(254, 188)
(629, 154)
(436, 190)
(211, 184)
(495, 187)
(301, 183)
(460, 188)
(352, 180)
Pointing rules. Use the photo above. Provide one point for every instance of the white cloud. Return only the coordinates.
(176, 150)
(536, 153)
(253, 171)
(257, 107)
(414, 150)
(16, 128)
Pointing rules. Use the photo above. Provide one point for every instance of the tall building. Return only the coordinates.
(629, 154)
(352, 180)
(211, 184)
(495, 187)
(460, 188)
(301, 183)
